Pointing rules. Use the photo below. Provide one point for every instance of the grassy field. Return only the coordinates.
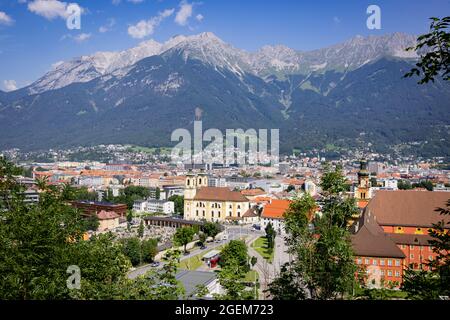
(250, 276)
(195, 262)
(260, 245)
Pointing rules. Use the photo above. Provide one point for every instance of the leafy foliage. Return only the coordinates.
(436, 61)
(183, 236)
(323, 266)
(38, 242)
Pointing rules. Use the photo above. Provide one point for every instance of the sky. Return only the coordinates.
(34, 33)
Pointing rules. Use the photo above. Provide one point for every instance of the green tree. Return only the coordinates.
(38, 242)
(234, 262)
(91, 223)
(157, 193)
(290, 188)
(183, 236)
(129, 216)
(270, 236)
(202, 238)
(435, 59)
(178, 203)
(323, 266)
(132, 250)
(141, 229)
(404, 185)
(212, 229)
(235, 254)
(149, 249)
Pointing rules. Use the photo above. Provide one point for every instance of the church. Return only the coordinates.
(214, 204)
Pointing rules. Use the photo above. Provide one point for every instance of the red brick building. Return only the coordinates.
(401, 219)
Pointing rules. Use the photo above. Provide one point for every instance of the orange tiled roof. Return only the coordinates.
(219, 194)
(253, 192)
(294, 182)
(276, 209)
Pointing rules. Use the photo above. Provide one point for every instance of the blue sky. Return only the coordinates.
(33, 33)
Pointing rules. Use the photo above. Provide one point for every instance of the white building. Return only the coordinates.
(154, 206)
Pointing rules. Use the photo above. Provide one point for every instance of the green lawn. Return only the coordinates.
(250, 276)
(195, 262)
(260, 245)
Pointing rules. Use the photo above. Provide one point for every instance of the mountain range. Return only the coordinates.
(351, 94)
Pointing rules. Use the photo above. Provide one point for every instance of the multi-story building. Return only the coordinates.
(154, 206)
(212, 203)
(401, 219)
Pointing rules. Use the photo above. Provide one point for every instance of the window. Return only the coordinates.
(430, 258)
(212, 214)
(231, 206)
(203, 212)
(359, 261)
(403, 246)
(397, 273)
(382, 272)
(411, 256)
(390, 273)
(411, 247)
(397, 263)
(374, 262)
(366, 261)
(196, 212)
(399, 230)
(389, 262)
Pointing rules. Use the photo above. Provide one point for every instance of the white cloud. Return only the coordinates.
(147, 27)
(51, 9)
(108, 26)
(199, 17)
(184, 13)
(82, 37)
(10, 85)
(336, 20)
(5, 19)
(48, 9)
(115, 2)
(136, 1)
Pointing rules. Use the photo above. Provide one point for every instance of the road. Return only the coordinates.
(233, 232)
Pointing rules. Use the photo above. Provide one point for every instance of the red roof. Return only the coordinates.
(107, 215)
(276, 209)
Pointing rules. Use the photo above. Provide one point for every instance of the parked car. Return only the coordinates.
(155, 264)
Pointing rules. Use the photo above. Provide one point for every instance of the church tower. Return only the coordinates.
(363, 192)
(190, 186)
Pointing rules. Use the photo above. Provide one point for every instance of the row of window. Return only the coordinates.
(413, 247)
(381, 262)
(230, 213)
(401, 230)
(215, 205)
(381, 272)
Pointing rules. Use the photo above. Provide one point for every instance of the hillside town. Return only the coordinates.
(395, 204)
